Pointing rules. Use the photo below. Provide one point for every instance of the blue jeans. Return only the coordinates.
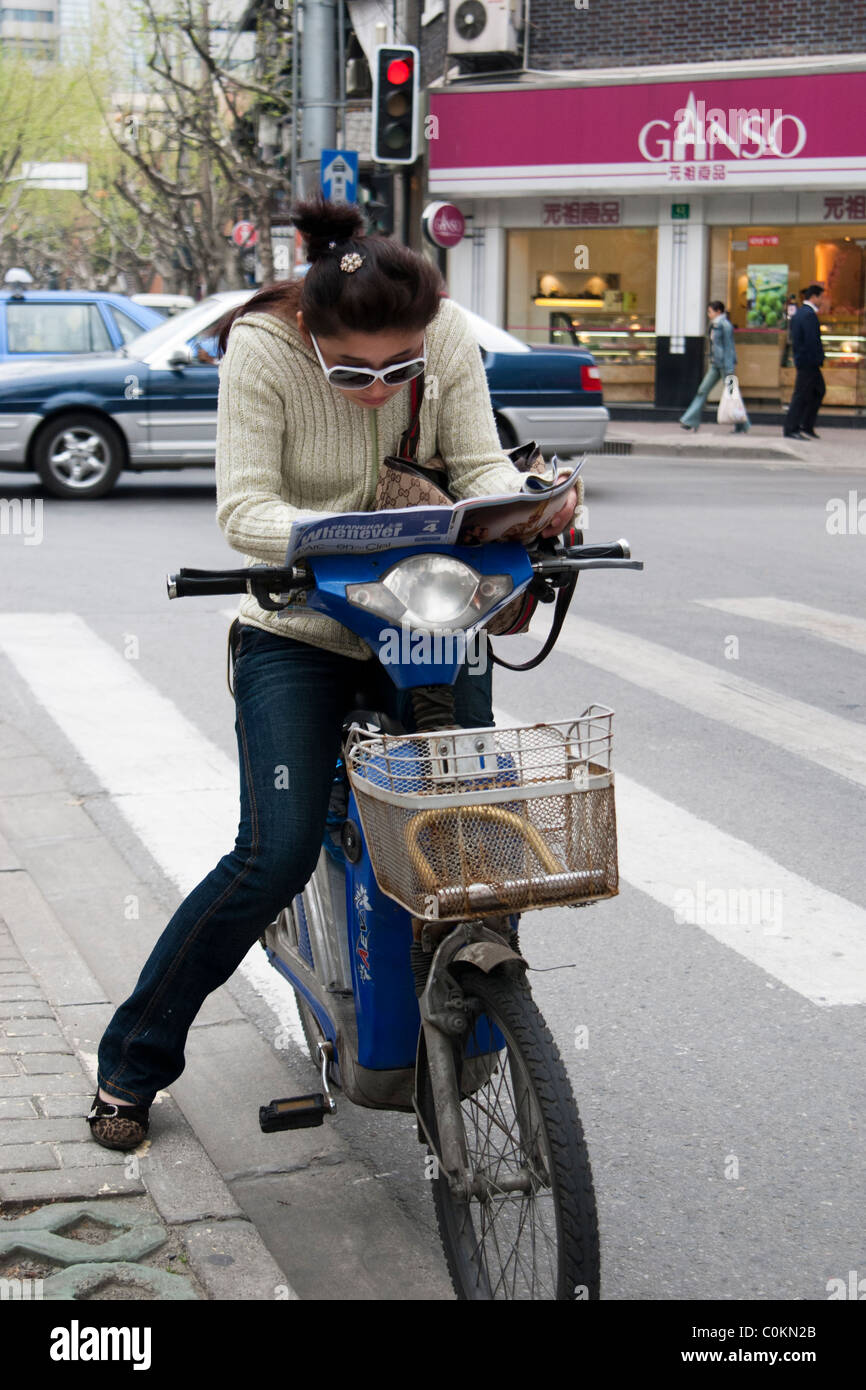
(290, 701)
(692, 416)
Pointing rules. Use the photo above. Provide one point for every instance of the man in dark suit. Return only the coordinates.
(809, 385)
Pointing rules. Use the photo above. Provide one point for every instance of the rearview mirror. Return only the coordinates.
(180, 357)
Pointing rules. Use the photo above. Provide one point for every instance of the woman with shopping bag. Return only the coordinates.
(723, 360)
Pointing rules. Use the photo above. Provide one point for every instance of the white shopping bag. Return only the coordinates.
(731, 409)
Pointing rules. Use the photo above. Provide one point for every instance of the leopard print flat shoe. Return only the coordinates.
(118, 1126)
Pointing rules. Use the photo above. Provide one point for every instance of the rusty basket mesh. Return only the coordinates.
(462, 823)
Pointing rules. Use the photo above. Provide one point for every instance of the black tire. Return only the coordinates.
(558, 1165)
(312, 1033)
(79, 455)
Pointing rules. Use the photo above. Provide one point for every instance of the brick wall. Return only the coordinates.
(615, 33)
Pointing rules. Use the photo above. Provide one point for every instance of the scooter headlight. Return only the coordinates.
(432, 592)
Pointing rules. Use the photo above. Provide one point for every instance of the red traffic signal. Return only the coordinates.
(395, 104)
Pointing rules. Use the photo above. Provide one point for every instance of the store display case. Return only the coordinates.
(623, 345)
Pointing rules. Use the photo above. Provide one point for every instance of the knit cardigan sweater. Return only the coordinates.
(289, 444)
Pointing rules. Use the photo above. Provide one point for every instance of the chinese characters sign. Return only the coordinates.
(845, 208)
(580, 214)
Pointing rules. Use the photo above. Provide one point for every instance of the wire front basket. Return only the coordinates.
(467, 822)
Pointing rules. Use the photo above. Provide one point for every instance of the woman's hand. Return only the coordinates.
(564, 515)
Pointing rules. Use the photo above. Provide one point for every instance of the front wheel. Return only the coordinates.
(530, 1229)
(78, 455)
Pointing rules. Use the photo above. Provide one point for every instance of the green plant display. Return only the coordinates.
(766, 295)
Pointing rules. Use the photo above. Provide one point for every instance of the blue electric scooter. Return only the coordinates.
(403, 950)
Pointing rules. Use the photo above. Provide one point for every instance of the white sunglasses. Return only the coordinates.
(357, 378)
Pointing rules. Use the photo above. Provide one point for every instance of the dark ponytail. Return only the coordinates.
(393, 288)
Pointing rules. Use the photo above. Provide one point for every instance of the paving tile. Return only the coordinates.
(84, 1281)
(50, 1063)
(66, 1184)
(30, 1130)
(17, 1109)
(88, 1154)
(30, 1027)
(226, 1257)
(42, 1042)
(25, 1008)
(16, 1158)
(48, 1085)
(114, 1213)
(129, 1233)
(56, 1107)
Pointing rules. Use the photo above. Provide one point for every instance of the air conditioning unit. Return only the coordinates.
(484, 26)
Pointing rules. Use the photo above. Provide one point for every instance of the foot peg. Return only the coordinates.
(301, 1112)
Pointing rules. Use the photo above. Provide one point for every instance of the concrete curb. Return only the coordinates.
(836, 451)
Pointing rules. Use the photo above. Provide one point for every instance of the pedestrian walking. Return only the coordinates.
(808, 352)
(723, 360)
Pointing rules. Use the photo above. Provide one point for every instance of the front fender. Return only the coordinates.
(487, 955)
(75, 400)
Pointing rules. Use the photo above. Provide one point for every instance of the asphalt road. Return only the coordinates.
(716, 1052)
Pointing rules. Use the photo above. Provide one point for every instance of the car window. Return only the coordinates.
(127, 327)
(198, 321)
(66, 327)
(204, 347)
(489, 337)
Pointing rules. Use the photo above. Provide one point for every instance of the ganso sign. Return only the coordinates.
(744, 132)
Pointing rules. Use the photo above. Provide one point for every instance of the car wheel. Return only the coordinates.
(78, 455)
(506, 433)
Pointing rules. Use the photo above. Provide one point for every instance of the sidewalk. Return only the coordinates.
(243, 1215)
(78, 1221)
(838, 449)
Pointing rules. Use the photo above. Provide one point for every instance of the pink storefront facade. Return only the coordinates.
(608, 210)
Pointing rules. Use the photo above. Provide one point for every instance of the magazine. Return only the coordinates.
(519, 516)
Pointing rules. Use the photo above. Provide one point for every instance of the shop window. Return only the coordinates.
(759, 273)
(591, 287)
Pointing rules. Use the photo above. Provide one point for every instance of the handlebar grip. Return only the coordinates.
(607, 550)
(184, 585)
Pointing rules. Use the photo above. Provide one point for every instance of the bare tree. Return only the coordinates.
(192, 161)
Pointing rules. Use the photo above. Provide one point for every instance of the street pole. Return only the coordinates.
(318, 88)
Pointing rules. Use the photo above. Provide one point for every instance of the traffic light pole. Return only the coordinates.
(401, 204)
(318, 88)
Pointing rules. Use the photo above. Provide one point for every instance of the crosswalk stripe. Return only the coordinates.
(178, 791)
(845, 631)
(810, 939)
(175, 788)
(837, 744)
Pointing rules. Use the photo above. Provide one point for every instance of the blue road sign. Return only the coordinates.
(340, 175)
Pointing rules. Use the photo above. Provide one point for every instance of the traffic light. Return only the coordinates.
(395, 105)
